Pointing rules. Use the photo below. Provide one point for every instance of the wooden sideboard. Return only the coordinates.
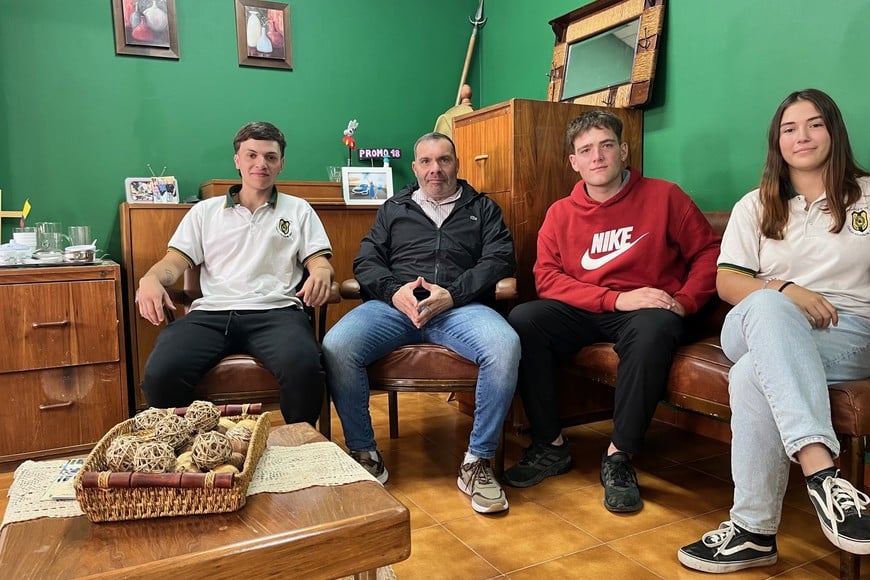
(146, 229)
(63, 375)
(516, 153)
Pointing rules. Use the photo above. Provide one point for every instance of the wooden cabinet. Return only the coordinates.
(146, 229)
(63, 368)
(516, 153)
(145, 232)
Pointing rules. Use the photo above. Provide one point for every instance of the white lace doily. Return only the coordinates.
(280, 470)
(283, 469)
(31, 479)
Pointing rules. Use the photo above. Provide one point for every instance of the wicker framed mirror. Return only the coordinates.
(605, 53)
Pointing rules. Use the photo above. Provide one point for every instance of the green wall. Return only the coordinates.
(76, 119)
(725, 68)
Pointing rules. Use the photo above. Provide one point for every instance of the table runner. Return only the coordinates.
(280, 470)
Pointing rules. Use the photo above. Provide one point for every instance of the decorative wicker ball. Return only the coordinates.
(148, 418)
(240, 438)
(173, 430)
(154, 457)
(204, 415)
(211, 449)
(119, 455)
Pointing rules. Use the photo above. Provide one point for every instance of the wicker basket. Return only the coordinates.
(107, 496)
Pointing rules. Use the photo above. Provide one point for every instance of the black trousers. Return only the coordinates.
(281, 339)
(645, 341)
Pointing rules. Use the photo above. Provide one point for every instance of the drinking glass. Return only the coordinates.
(80, 235)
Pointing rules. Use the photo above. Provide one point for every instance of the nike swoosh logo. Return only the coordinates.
(589, 263)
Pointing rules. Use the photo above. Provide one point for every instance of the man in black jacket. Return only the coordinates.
(426, 269)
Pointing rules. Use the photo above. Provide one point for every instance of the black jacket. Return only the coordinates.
(471, 251)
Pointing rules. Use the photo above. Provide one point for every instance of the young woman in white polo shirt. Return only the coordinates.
(795, 261)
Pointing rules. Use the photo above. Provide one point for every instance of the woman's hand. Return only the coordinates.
(819, 312)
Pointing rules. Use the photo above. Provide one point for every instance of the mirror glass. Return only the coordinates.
(602, 61)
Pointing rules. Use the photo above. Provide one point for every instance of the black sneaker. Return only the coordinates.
(374, 465)
(620, 484)
(728, 549)
(842, 511)
(540, 461)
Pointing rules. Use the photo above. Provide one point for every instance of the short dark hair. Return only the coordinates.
(261, 131)
(594, 119)
(434, 136)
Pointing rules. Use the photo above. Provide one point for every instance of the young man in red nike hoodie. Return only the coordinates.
(622, 259)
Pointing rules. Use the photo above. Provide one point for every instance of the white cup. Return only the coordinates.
(25, 239)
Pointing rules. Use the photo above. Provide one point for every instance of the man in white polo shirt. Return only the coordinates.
(253, 246)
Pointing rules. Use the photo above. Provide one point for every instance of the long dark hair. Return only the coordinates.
(841, 171)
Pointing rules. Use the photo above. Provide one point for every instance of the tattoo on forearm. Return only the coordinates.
(167, 277)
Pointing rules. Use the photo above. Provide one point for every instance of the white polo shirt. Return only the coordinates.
(837, 266)
(250, 261)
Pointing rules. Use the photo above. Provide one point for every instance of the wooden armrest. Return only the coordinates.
(505, 289)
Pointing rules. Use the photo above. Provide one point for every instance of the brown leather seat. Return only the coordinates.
(425, 367)
(241, 378)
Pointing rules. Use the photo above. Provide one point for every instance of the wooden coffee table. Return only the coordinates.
(319, 532)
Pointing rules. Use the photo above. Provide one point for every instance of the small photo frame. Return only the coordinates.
(366, 185)
(263, 34)
(163, 189)
(145, 28)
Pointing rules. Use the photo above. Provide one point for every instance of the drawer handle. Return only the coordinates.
(50, 324)
(481, 157)
(55, 406)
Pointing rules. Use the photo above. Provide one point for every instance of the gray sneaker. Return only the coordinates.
(477, 480)
(374, 465)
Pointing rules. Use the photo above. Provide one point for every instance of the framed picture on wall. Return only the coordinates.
(145, 28)
(366, 185)
(263, 34)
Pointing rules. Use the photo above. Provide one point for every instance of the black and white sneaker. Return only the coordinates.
(842, 511)
(728, 549)
(373, 463)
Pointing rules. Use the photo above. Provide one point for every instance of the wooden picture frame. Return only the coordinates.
(609, 19)
(366, 185)
(263, 34)
(146, 28)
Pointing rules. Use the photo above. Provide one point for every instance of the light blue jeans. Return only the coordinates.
(779, 395)
(374, 329)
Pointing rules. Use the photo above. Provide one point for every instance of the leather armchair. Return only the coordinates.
(241, 378)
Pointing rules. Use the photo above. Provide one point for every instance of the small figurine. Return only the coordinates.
(348, 139)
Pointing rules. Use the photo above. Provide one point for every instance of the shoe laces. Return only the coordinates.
(719, 537)
(480, 472)
(621, 473)
(532, 454)
(841, 498)
(364, 459)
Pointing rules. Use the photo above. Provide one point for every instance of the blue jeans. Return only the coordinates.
(374, 329)
(779, 395)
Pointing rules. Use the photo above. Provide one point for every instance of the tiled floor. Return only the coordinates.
(560, 529)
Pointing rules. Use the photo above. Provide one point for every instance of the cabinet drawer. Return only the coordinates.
(58, 323)
(49, 410)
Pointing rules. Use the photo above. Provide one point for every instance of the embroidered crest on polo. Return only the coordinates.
(284, 227)
(857, 222)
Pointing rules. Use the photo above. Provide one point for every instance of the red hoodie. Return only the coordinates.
(650, 234)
